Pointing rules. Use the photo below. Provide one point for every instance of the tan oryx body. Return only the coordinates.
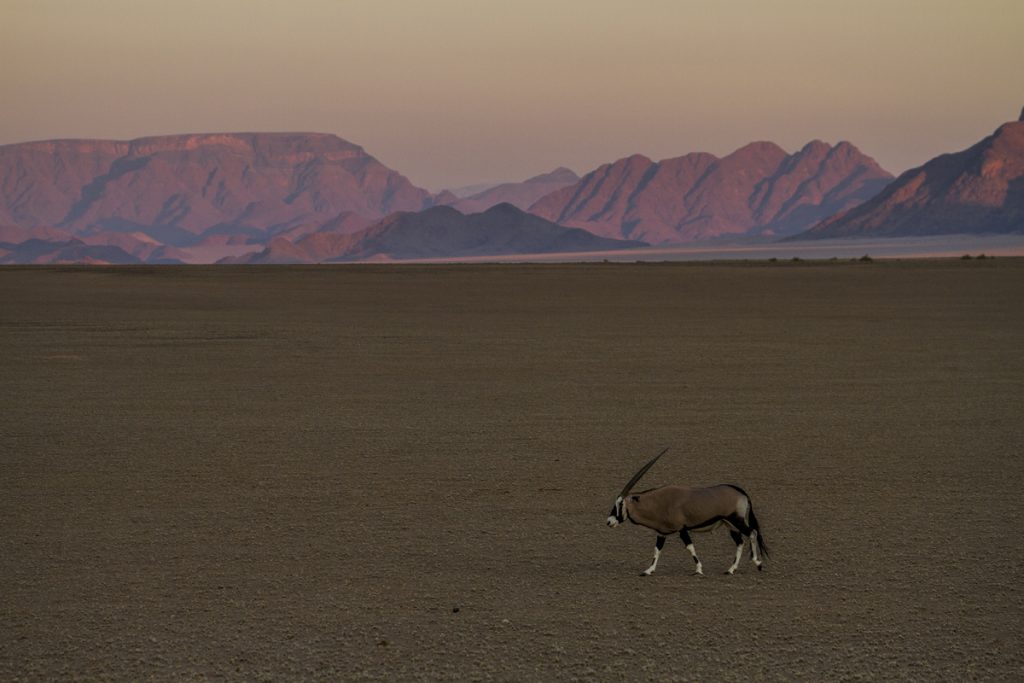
(682, 509)
(670, 509)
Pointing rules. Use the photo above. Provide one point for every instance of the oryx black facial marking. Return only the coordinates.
(683, 509)
(618, 513)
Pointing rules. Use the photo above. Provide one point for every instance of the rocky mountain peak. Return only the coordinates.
(559, 175)
(758, 189)
(978, 189)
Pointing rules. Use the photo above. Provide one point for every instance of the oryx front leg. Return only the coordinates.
(688, 542)
(737, 538)
(658, 545)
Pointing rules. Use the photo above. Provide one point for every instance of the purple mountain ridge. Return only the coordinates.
(758, 189)
(977, 190)
(180, 188)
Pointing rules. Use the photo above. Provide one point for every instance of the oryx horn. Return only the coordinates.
(642, 472)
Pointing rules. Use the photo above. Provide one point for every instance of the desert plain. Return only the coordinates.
(402, 472)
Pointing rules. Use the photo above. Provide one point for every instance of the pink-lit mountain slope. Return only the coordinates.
(179, 189)
(758, 189)
(978, 190)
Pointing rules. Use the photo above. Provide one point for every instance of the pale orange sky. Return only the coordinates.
(454, 92)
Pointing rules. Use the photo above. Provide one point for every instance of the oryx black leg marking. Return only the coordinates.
(688, 542)
(737, 538)
(658, 545)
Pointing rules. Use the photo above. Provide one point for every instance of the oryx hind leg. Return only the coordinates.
(737, 538)
(742, 522)
(658, 545)
(755, 554)
(688, 542)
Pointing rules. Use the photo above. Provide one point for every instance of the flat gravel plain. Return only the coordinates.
(403, 472)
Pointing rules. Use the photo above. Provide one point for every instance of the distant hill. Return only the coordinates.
(439, 232)
(978, 190)
(469, 190)
(181, 189)
(521, 195)
(758, 189)
(67, 251)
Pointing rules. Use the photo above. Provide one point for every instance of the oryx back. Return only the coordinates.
(670, 509)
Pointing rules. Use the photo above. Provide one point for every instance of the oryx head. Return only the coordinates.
(618, 513)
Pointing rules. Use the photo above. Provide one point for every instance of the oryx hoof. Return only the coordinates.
(760, 567)
(645, 573)
(730, 572)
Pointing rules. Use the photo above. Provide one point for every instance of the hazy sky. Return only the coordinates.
(454, 92)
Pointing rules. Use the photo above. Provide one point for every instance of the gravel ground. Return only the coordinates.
(403, 472)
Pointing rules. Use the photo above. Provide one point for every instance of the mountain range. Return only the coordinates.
(298, 197)
(180, 189)
(758, 189)
(978, 190)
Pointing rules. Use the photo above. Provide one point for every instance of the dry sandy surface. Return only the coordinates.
(403, 472)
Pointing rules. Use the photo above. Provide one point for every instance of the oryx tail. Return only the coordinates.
(762, 546)
(752, 521)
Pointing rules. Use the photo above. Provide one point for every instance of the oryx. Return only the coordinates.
(682, 509)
